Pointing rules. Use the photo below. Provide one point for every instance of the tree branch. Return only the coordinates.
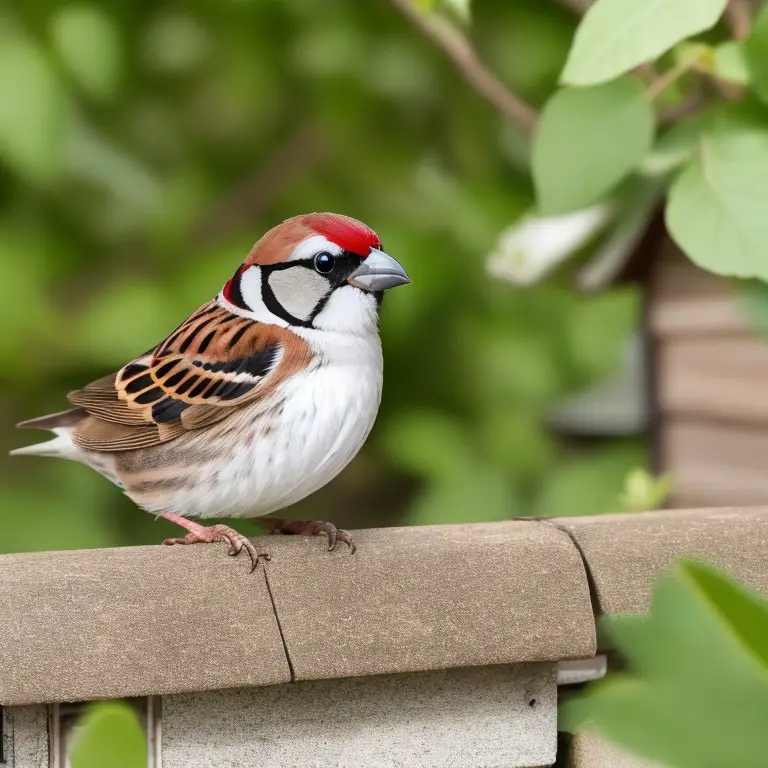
(458, 48)
(660, 83)
(690, 104)
(738, 18)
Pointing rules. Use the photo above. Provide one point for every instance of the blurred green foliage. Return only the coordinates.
(695, 694)
(145, 146)
(109, 734)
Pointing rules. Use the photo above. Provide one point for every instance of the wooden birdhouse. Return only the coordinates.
(694, 380)
(709, 384)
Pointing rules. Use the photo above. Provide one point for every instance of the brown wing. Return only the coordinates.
(210, 365)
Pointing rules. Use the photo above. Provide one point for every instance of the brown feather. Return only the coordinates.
(54, 420)
(201, 416)
(210, 366)
(277, 245)
(104, 384)
(97, 435)
(111, 409)
(167, 432)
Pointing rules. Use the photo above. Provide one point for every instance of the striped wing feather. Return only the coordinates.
(209, 366)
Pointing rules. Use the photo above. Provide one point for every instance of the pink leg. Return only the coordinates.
(199, 534)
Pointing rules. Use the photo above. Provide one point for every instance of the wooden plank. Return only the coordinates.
(703, 316)
(715, 464)
(675, 276)
(715, 378)
(686, 300)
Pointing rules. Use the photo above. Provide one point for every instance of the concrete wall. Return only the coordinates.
(496, 717)
(25, 737)
(590, 751)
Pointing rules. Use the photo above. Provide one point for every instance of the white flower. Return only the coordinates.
(535, 245)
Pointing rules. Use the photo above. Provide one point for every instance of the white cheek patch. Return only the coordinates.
(250, 287)
(298, 290)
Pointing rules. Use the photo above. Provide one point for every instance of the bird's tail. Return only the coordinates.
(61, 424)
(60, 446)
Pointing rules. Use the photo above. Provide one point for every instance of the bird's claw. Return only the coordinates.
(312, 528)
(236, 541)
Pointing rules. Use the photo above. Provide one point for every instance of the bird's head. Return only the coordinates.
(319, 270)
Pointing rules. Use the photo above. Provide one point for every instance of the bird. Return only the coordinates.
(258, 399)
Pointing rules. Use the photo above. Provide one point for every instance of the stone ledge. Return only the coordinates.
(590, 751)
(414, 599)
(139, 621)
(625, 553)
(136, 621)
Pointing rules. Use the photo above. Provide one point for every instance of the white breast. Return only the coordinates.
(326, 416)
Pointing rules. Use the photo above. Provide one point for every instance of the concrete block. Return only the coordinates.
(588, 750)
(25, 737)
(488, 717)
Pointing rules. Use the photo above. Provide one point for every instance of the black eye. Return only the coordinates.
(324, 262)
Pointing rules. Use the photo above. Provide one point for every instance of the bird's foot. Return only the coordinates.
(309, 528)
(201, 534)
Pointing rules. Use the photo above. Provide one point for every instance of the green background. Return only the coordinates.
(145, 146)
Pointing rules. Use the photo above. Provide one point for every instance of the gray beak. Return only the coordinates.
(378, 272)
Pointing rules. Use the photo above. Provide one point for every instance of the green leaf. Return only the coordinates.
(756, 54)
(696, 695)
(109, 734)
(33, 111)
(643, 492)
(617, 35)
(716, 210)
(677, 145)
(589, 139)
(745, 611)
(88, 43)
(462, 9)
(731, 62)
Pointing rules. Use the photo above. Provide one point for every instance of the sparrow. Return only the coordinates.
(260, 397)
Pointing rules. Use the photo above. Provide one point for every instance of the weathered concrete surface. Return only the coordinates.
(25, 737)
(495, 717)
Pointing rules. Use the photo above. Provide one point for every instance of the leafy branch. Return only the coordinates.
(460, 51)
(701, 123)
(660, 83)
(738, 17)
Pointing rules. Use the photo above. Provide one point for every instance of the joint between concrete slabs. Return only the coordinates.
(587, 570)
(288, 659)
